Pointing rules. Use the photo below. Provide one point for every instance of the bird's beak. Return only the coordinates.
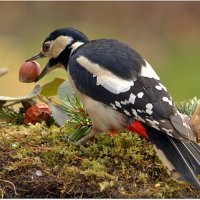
(36, 57)
(51, 65)
(45, 71)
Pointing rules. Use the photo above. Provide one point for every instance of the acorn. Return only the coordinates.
(37, 113)
(29, 71)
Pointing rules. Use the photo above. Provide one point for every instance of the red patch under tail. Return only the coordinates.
(137, 127)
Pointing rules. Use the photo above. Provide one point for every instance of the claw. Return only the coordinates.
(83, 140)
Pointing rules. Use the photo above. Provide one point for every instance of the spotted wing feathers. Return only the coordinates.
(129, 86)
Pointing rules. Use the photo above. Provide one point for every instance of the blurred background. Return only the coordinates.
(167, 34)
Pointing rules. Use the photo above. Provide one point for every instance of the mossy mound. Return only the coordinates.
(37, 161)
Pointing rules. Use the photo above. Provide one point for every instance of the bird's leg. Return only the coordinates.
(83, 140)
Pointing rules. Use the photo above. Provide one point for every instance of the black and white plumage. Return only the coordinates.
(117, 85)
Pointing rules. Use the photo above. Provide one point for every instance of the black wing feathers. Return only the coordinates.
(115, 56)
(183, 155)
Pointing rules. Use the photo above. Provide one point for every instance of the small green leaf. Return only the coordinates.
(59, 115)
(37, 89)
(50, 89)
(65, 90)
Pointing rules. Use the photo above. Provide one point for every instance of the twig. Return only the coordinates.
(11, 104)
(3, 139)
(14, 188)
(46, 99)
(43, 99)
(17, 138)
(2, 193)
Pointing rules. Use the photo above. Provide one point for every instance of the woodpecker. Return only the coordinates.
(121, 91)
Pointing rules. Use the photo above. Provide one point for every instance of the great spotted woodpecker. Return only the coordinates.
(121, 91)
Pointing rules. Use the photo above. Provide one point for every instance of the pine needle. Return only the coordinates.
(10, 115)
(79, 121)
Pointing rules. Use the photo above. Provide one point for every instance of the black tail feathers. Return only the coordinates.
(182, 158)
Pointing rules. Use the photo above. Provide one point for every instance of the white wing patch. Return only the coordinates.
(162, 86)
(140, 94)
(167, 100)
(127, 113)
(149, 107)
(168, 131)
(114, 84)
(105, 78)
(134, 112)
(158, 87)
(147, 71)
(153, 123)
(117, 104)
(125, 102)
(132, 98)
(113, 106)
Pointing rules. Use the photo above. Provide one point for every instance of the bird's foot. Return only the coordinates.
(83, 140)
(81, 143)
(76, 144)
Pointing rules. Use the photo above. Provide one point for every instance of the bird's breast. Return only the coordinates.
(104, 118)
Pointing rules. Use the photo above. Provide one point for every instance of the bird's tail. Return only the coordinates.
(182, 158)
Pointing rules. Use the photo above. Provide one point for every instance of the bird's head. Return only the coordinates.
(58, 47)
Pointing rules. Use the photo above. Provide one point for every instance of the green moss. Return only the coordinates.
(123, 166)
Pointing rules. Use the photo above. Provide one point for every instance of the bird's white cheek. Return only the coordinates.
(59, 45)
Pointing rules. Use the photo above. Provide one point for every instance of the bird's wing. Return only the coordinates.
(116, 75)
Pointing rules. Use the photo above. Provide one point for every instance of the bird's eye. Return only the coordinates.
(46, 46)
